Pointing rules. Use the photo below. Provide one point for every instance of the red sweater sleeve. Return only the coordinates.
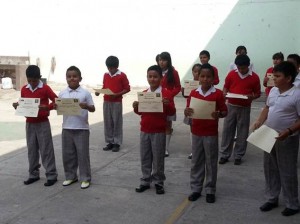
(216, 75)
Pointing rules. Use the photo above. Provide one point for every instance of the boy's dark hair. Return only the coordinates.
(209, 67)
(239, 48)
(155, 68)
(112, 62)
(287, 68)
(278, 55)
(242, 60)
(167, 57)
(295, 57)
(33, 71)
(196, 65)
(205, 52)
(74, 68)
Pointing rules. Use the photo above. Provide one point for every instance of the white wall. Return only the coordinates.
(84, 33)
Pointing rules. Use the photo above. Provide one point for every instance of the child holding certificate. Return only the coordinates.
(38, 130)
(153, 134)
(205, 135)
(282, 114)
(117, 82)
(277, 58)
(75, 132)
(244, 85)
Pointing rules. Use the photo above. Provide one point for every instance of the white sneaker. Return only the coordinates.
(85, 184)
(166, 153)
(69, 182)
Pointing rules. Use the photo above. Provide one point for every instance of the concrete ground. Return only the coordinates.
(112, 197)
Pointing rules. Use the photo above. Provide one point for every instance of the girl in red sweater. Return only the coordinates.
(171, 82)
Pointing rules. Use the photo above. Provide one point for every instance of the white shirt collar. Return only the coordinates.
(158, 90)
(74, 90)
(210, 91)
(289, 92)
(165, 72)
(40, 85)
(117, 73)
(244, 76)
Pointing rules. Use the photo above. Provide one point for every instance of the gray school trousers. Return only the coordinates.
(280, 169)
(39, 141)
(113, 122)
(75, 153)
(152, 149)
(204, 163)
(238, 118)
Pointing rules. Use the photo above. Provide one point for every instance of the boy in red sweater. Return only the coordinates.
(38, 130)
(245, 82)
(204, 57)
(153, 134)
(117, 82)
(205, 137)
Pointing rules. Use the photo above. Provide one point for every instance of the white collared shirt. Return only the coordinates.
(40, 85)
(297, 81)
(165, 72)
(158, 90)
(117, 73)
(79, 121)
(210, 91)
(244, 76)
(284, 108)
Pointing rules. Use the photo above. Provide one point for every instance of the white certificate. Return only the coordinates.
(202, 109)
(190, 85)
(28, 107)
(263, 138)
(237, 96)
(150, 102)
(104, 91)
(270, 79)
(67, 106)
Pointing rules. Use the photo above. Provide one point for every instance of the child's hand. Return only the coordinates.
(135, 104)
(266, 79)
(54, 106)
(215, 115)
(97, 94)
(114, 95)
(15, 105)
(43, 107)
(188, 112)
(83, 106)
(283, 135)
(166, 101)
(255, 125)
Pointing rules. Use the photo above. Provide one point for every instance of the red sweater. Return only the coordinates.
(207, 127)
(247, 86)
(174, 87)
(116, 84)
(216, 79)
(268, 88)
(157, 122)
(45, 93)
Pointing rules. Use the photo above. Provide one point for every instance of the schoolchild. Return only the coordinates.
(38, 130)
(245, 82)
(204, 57)
(76, 133)
(277, 58)
(153, 134)
(195, 71)
(117, 82)
(239, 51)
(205, 137)
(171, 82)
(282, 113)
(295, 59)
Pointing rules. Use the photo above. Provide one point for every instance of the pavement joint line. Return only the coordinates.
(177, 213)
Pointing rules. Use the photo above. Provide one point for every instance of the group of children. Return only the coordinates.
(156, 128)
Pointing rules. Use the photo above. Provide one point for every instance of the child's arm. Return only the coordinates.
(261, 119)
(289, 131)
(135, 106)
(85, 106)
(52, 96)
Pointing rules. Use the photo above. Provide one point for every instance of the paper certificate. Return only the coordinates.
(263, 138)
(234, 95)
(150, 102)
(28, 107)
(202, 109)
(189, 85)
(68, 106)
(104, 91)
(270, 82)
